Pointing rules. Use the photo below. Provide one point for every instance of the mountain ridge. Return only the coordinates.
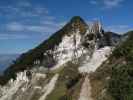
(59, 68)
(25, 61)
(112, 80)
(44, 45)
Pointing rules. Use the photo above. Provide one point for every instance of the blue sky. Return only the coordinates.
(26, 23)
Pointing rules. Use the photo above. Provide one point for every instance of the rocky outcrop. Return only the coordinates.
(33, 76)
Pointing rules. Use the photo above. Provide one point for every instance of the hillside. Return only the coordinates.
(63, 67)
(27, 59)
(113, 79)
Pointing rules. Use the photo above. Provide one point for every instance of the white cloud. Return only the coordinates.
(112, 3)
(41, 29)
(24, 9)
(4, 36)
(41, 10)
(107, 4)
(46, 22)
(93, 2)
(14, 26)
(24, 4)
(45, 27)
(16, 30)
(119, 28)
(25, 18)
(53, 23)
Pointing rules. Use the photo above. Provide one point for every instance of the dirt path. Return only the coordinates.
(49, 87)
(85, 93)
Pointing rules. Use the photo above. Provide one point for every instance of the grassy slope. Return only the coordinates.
(68, 84)
(114, 79)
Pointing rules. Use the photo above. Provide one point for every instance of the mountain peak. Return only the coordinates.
(77, 18)
(70, 42)
(75, 23)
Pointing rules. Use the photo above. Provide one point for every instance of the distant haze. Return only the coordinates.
(6, 60)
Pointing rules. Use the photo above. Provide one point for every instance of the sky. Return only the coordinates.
(26, 23)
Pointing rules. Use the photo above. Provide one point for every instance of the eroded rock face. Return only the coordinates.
(75, 45)
(24, 86)
(77, 42)
(75, 39)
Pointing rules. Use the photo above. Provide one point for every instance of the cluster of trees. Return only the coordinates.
(121, 82)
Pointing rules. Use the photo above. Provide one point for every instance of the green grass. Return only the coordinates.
(121, 82)
(58, 92)
(68, 79)
(115, 76)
